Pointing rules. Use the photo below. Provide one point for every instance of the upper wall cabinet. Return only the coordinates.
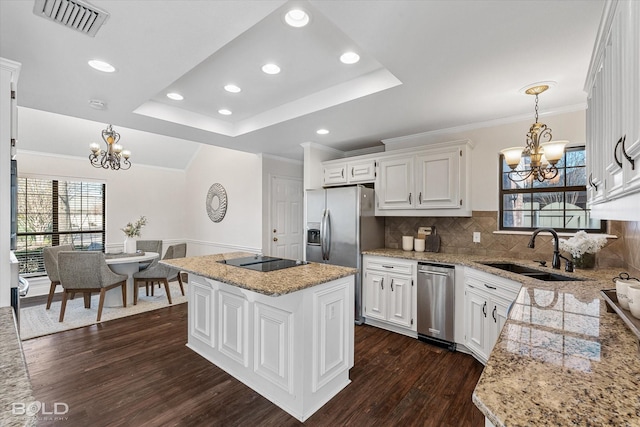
(613, 114)
(341, 172)
(432, 181)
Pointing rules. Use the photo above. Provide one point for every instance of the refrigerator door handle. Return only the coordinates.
(323, 234)
(327, 234)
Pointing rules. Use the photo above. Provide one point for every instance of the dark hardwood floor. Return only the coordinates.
(137, 371)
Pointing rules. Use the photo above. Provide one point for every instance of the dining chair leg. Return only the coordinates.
(52, 290)
(146, 287)
(63, 306)
(167, 290)
(180, 282)
(135, 291)
(124, 294)
(101, 303)
(153, 283)
(87, 300)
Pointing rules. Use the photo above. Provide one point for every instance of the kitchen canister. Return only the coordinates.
(623, 281)
(419, 245)
(622, 287)
(633, 299)
(407, 243)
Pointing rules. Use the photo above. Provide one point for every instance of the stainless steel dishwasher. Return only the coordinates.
(436, 299)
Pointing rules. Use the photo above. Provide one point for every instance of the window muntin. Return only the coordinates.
(560, 203)
(52, 213)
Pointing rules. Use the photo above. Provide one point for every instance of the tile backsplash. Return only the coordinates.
(456, 236)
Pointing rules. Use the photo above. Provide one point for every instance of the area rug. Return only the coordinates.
(36, 321)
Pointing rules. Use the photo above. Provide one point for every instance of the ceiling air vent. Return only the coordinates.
(75, 14)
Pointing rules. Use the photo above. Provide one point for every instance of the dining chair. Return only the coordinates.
(50, 255)
(87, 272)
(148, 246)
(161, 274)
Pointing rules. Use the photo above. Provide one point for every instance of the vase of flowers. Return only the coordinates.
(132, 232)
(583, 248)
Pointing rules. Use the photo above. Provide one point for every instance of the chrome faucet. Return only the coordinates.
(555, 263)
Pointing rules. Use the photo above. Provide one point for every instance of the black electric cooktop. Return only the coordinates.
(262, 263)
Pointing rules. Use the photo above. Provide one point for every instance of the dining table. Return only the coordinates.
(125, 263)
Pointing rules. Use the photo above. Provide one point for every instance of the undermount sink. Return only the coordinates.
(531, 272)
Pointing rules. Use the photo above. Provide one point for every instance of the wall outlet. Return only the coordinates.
(476, 237)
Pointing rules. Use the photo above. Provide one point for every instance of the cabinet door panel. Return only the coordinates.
(438, 180)
(374, 296)
(497, 320)
(399, 309)
(476, 308)
(395, 189)
(335, 174)
(362, 171)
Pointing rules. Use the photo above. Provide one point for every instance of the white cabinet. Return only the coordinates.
(334, 174)
(348, 172)
(613, 115)
(429, 181)
(487, 301)
(438, 179)
(390, 294)
(394, 186)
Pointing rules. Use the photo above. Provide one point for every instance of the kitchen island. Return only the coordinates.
(287, 334)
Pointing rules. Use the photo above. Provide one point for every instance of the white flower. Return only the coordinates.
(582, 243)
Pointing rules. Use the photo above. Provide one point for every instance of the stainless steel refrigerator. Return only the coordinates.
(340, 225)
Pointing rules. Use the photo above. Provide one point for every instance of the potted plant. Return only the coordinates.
(131, 231)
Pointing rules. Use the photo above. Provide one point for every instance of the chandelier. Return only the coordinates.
(543, 153)
(114, 156)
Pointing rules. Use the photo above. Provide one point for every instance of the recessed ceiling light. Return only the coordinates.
(225, 112)
(175, 96)
(349, 58)
(297, 18)
(322, 131)
(232, 88)
(271, 68)
(102, 66)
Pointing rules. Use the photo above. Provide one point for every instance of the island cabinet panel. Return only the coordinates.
(294, 349)
(273, 350)
(233, 324)
(331, 340)
(201, 326)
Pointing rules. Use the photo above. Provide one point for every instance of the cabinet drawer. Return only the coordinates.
(391, 265)
(492, 285)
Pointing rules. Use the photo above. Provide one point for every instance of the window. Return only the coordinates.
(560, 203)
(52, 213)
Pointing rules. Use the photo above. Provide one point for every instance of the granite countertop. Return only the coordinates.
(561, 358)
(14, 379)
(273, 283)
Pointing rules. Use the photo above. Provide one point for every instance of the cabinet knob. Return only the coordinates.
(275, 239)
(275, 231)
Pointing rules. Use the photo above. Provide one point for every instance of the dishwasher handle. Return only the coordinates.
(435, 273)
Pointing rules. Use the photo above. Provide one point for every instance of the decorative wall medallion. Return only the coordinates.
(216, 202)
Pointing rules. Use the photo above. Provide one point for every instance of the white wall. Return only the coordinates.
(156, 193)
(241, 175)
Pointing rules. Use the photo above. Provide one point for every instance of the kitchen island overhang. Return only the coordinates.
(287, 334)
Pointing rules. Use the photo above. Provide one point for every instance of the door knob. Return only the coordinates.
(275, 239)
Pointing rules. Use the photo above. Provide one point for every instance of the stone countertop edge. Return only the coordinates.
(581, 369)
(272, 283)
(14, 377)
